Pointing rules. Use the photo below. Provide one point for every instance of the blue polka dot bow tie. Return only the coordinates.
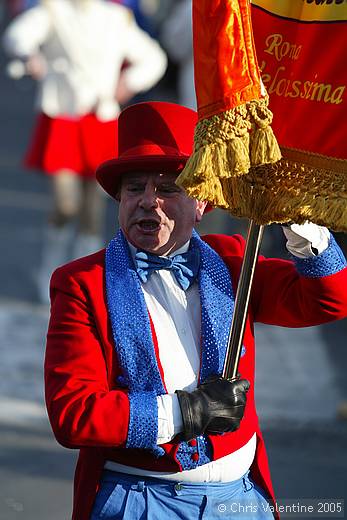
(184, 267)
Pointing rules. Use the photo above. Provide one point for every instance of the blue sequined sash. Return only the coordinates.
(131, 324)
(130, 320)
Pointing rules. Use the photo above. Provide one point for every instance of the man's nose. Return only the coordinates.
(149, 198)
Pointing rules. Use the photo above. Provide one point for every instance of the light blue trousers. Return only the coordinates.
(130, 497)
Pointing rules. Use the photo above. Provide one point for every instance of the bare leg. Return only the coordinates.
(91, 219)
(67, 197)
(66, 192)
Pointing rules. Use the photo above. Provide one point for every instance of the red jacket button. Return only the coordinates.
(193, 442)
(195, 457)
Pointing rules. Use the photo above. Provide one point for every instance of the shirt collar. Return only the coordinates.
(180, 250)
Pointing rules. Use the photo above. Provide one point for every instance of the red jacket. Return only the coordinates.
(86, 408)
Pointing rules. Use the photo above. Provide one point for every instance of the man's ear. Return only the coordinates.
(200, 208)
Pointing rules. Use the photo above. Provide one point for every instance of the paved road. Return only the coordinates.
(301, 373)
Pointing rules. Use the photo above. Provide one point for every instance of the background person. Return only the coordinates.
(77, 49)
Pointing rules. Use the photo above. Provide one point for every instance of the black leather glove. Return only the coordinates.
(216, 406)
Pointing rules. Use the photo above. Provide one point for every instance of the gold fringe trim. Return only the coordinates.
(318, 161)
(289, 191)
(226, 146)
(236, 165)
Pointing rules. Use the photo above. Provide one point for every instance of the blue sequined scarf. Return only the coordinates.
(132, 332)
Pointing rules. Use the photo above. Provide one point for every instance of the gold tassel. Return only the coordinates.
(198, 182)
(264, 148)
(226, 146)
(220, 159)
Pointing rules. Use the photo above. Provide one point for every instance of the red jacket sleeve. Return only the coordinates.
(83, 409)
(282, 296)
(290, 293)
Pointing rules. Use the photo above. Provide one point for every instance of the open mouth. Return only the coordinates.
(148, 225)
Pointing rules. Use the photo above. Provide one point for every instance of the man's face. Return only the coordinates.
(155, 214)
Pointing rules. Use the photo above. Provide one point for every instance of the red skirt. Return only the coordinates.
(79, 144)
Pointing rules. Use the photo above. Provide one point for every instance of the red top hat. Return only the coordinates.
(152, 136)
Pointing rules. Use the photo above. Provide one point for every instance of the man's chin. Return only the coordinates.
(151, 244)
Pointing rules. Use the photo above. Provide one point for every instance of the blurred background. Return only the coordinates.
(301, 385)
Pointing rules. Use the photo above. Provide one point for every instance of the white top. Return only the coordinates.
(176, 318)
(85, 45)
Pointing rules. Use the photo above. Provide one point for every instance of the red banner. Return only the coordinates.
(301, 51)
(301, 47)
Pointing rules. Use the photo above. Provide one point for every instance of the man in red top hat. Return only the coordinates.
(138, 335)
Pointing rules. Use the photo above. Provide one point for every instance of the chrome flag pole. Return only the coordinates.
(237, 329)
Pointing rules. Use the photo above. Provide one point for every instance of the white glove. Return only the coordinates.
(305, 240)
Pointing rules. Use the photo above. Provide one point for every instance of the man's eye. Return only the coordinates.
(170, 188)
(135, 187)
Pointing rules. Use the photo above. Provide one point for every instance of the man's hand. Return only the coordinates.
(36, 66)
(123, 93)
(216, 406)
